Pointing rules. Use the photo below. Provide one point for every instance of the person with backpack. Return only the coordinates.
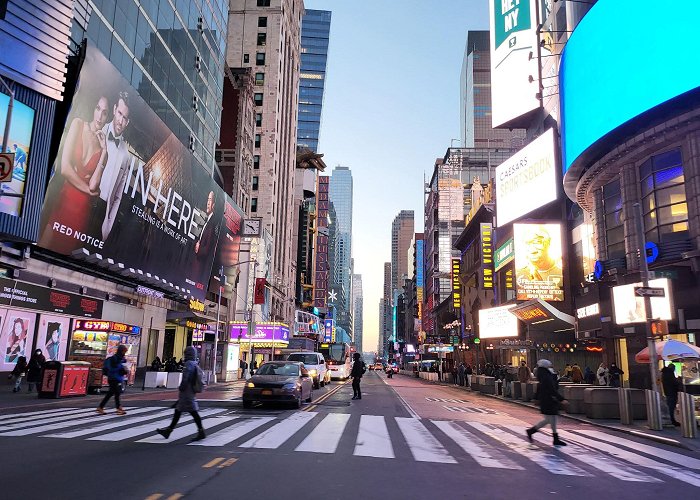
(192, 383)
(36, 363)
(18, 372)
(115, 371)
(358, 369)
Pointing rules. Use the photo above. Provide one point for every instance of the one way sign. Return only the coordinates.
(641, 291)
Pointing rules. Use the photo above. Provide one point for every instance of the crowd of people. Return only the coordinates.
(170, 365)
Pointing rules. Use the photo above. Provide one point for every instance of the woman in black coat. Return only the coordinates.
(36, 363)
(550, 400)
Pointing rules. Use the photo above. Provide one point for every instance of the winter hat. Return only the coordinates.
(190, 353)
(544, 363)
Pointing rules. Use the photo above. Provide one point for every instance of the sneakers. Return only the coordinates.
(121, 411)
(165, 432)
(200, 435)
(100, 410)
(530, 432)
(557, 441)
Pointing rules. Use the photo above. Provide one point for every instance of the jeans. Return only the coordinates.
(195, 416)
(356, 388)
(548, 419)
(115, 389)
(18, 382)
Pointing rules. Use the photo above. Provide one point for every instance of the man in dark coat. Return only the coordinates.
(670, 385)
(36, 363)
(550, 399)
(115, 370)
(358, 369)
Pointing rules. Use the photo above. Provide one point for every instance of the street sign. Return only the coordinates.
(641, 291)
(7, 163)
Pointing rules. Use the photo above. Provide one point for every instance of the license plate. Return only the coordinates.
(267, 392)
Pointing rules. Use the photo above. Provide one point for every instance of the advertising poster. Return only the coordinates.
(16, 338)
(322, 239)
(52, 336)
(497, 322)
(539, 272)
(126, 188)
(629, 308)
(227, 250)
(19, 143)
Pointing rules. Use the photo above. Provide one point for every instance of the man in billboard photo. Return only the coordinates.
(82, 163)
(540, 265)
(205, 245)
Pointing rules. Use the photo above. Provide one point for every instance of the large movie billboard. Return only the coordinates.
(539, 272)
(126, 188)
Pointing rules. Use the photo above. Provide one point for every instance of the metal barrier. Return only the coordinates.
(625, 400)
(687, 408)
(653, 401)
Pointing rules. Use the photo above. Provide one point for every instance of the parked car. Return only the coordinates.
(281, 381)
(316, 364)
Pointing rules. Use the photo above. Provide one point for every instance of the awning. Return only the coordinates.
(542, 316)
(195, 316)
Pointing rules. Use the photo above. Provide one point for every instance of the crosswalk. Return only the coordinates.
(590, 453)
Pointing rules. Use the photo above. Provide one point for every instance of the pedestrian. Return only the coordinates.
(19, 372)
(358, 369)
(156, 365)
(550, 400)
(115, 371)
(615, 375)
(576, 374)
(190, 385)
(568, 371)
(455, 375)
(523, 373)
(469, 371)
(461, 373)
(671, 385)
(36, 363)
(244, 368)
(602, 374)
(588, 375)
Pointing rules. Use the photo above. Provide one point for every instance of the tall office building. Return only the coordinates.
(475, 99)
(402, 230)
(265, 36)
(357, 307)
(315, 34)
(385, 319)
(341, 199)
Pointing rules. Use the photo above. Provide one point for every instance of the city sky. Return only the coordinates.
(391, 107)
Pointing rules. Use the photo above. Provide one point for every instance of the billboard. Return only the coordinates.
(16, 336)
(504, 254)
(497, 322)
(264, 332)
(125, 188)
(228, 248)
(539, 271)
(629, 308)
(456, 285)
(591, 111)
(527, 180)
(486, 271)
(513, 40)
(19, 143)
(322, 239)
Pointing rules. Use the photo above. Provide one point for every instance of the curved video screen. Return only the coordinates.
(626, 57)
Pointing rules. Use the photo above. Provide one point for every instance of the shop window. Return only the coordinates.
(614, 231)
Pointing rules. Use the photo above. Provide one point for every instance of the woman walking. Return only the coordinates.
(36, 363)
(550, 400)
(18, 372)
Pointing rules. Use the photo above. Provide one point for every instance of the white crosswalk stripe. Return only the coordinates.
(279, 433)
(476, 448)
(36, 414)
(373, 438)
(110, 426)
(43, 419)
(230, 434)
(185, 430)
(423, 445)
(62, 423)
(326, 436)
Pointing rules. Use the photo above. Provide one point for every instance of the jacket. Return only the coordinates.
(357, 369)
(115, 368)
(669, 381)
(34, 367)
(576, 374)
(547, 392)
(523, 374)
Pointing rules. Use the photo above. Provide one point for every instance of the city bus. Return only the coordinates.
(339, 358)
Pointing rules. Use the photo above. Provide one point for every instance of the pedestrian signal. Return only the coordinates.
(659, 327)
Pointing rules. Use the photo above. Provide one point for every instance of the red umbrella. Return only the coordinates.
(669, 350)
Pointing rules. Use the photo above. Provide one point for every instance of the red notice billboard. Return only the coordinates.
(126, 188)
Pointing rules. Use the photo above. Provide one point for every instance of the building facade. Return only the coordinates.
(402, 230)
(341, 197)
(357, 309)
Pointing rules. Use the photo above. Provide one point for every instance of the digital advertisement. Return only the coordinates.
(629, 307)
(126, 188)
(539, 272)
(497, 322)
(19, 143)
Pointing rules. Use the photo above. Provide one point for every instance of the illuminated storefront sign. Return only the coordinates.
(504, 254)
(329, 330)
(264, 333)
(486, 237)
(196, 305)
(497, 322)
(531, 314)
(456, 285)
(588, 311)
(321, 250)
(106, 326)
(510, 283)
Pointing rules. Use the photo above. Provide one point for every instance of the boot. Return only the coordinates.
(165, 432)
(100, 410)
(530, 432)
(200, 435)
(557, 441)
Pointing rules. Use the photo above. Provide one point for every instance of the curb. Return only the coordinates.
(632, 432)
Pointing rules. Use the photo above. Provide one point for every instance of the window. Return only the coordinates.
(258, 119)
(612, 210)
(663, 197)
(256, 162)
(263, 3)
(258, 98)
(259, 78)
(262, 39)
(262, 22)
(260, 59)
(246, 58)
(253, 204)
(255, 183)
(257, 140)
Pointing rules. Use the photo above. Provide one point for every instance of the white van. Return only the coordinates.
(315, 364)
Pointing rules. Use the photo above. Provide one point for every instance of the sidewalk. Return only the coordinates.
(669, 435)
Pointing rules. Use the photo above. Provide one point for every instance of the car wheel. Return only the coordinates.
(316, 384)
(311, 396)
(247, 404)
(297, 403)
(323, 382)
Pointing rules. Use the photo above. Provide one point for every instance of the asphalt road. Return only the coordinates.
(405, 439)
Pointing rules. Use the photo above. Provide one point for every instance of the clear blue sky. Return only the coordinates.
(391, 108)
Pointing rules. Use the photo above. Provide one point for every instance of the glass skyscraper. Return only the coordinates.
(315, 33)
(340, 194)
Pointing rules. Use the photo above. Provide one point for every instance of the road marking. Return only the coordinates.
(213, 462)
(423, 445)
(276, 435)
(327, 395)
(45, 419)
(676, 458)
(548, 461)
(474, 447)
(111, 425)
(445, 400)
(37, 414)
(228, 463)
(633, 458)
(175, 496)
(596, 460)
(147, 428)
(234, 432)
(326, 436)
(471, 409)
(185, 430)
(155, 496)
(74, 421)
(373, 438)
(403, 401)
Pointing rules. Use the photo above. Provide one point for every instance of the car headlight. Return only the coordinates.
(313, 372)
(250, 385)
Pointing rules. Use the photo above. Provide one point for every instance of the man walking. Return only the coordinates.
(670, 385)
(115, 371)
(358, 369)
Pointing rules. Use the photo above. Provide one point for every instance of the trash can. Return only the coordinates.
(60, 379)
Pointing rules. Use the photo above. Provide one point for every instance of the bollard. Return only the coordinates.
(687, 407)
(653, 401)
(625, 401)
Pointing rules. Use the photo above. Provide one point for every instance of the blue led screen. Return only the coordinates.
(624, 58)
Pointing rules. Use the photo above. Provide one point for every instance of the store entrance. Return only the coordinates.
(169, 343)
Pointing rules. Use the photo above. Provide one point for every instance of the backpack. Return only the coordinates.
(197, 379)
(364, 368)
(106, 367)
